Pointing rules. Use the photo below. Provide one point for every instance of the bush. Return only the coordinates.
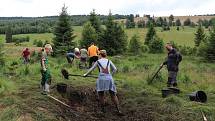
(156, 45)
(135, 44)
(2, 60)
(144, 48)
(18, 40)
(186, 50)
(39, 43)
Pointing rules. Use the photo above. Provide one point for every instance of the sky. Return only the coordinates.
(39, 8)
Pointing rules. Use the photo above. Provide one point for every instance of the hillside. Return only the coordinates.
(194, 19)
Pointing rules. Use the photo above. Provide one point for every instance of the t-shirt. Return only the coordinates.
(83, 53)
(92, 51)
(26, 53)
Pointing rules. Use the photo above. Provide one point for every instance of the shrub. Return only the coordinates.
(135, 44)
(156, 45)
(39, 43)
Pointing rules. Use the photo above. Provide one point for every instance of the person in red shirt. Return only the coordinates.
(26, 56)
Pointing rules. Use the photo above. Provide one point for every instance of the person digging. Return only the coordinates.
(70, 56)
(105, 80)
(172, 62)
(46, 76)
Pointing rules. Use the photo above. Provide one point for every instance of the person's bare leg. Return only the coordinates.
(102, 100)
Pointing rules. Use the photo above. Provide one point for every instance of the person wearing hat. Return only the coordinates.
(105, 80)
(26, 55)
(45, 72)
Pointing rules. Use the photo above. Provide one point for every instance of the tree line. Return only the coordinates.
(25, 25)
(165, 23)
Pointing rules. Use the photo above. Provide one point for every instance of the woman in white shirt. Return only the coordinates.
(105, 80)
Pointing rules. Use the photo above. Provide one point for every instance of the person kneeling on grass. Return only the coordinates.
(105, 80)
(46, 76)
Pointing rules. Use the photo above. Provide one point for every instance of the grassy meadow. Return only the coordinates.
(21, 97)
(183, 37)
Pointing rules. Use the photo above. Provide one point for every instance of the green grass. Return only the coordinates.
(20, 94)
(182, 37)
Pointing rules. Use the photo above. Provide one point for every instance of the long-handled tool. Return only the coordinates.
(58, 101)
(62, 104)
(66, 74)
(155, 74)
(204, 117)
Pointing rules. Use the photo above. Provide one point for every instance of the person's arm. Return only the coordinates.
(91, 69)
(113, 67)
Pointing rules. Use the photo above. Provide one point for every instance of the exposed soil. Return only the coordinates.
(84, 106)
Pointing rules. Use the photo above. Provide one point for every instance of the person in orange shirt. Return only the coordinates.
(93, 54)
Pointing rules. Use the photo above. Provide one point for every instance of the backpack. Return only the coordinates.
(104, 70)
(178, 57)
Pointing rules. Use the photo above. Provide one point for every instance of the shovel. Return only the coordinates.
(155, 74)
(66, 74)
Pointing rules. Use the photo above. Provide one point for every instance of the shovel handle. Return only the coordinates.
(156, 73)
(83, 76)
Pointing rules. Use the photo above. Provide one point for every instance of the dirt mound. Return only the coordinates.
(84, 106)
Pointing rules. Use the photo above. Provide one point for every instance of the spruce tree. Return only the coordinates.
(171, 19)
(8, 34)
(95, 21)
(150, 34)
(199, 36)
(210, 46)
(135, 44)
(2, 61)
(156, 45)
(89, 35)
(178, 22)
(114, 38)
(63, 40)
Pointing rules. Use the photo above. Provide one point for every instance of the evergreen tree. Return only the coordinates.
(150, 34)
(95, 21)
(187, 22)
(156, 45)
(2, 61)
(159, 22)
(141, 24)
(199, 35)
(63, 40)
(130, 21)
(178, 22)
(210, 46)
(8, 34)
(135, 44)
(171, 19)
(114, 38)
(89, 35)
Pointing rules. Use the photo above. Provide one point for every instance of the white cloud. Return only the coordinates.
(153, 7)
